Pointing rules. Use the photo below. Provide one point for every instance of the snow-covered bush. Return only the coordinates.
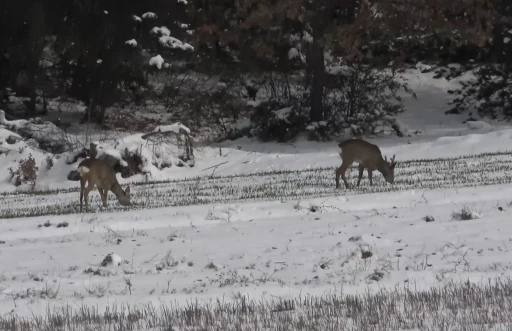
(274, 120)
(46, 134)
(146, 154)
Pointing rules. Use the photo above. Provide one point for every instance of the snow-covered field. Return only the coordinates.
(264, 221)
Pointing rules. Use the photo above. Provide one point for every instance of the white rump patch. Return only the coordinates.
(82, 170)
(340, 150)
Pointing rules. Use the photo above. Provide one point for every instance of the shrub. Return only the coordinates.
(490, 92)
(362, 98)
(277, 120)
(464, 214)
(26, 172)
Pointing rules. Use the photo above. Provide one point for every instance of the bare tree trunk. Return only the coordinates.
(317, 70)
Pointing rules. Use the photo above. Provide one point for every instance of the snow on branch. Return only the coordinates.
(149, 15)
(131, 42)
(171, 42)
(176, 128)
(164, 31)
(156, 61)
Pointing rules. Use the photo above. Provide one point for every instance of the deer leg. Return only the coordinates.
(87, 190)
(103, 196)
(361, 169)
(82, 187)
(338, 174)
(341, 172)
(106, 198)
(370, 173)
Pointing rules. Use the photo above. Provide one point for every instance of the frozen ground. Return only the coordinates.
(223, 239)
(276, 230)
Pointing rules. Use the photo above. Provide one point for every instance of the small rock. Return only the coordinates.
(428, 219)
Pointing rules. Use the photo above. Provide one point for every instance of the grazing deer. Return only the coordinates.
(100, 174)
(368, 156)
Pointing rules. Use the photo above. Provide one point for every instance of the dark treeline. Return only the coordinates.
(319, 66)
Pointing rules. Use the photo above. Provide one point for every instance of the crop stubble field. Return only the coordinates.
(455, 307)
(467, 171)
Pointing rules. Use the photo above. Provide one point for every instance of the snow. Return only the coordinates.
(149, 15)
(183, 1)
(156, 61)
(164, 31)
(283, 113)
(171, 42)
(478, 125)
(286, 242)
(176, 128)
(131, 42)
(506, 40)
(307, 37)
(423, 67)
(293, 53)
(253, 103)
(302, 244)
(137, 18)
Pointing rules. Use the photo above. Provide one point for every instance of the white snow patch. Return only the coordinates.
(163, 30)
(253, 103)
(175, 127)
(149, 15)
(477, 125)
(131, 42)
(156, 61)
(171, 42)
(423, 67)
(307, 37)
(283, 113)
(293, 53)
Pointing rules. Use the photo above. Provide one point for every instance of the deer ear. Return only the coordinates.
(127, 191)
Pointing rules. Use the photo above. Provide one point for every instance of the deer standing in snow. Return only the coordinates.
(368, 156)
(99, 173)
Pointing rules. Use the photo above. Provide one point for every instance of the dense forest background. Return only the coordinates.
(271, 69)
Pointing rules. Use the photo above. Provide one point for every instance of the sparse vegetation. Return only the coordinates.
(491, 169)
(464, 214)
(26, 172)
(461, 306)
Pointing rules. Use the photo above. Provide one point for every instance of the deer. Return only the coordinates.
(98, 173)
(368, 156)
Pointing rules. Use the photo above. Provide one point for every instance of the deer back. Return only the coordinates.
(98, 172)
(360, 151)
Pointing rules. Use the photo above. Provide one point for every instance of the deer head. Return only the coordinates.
(389, 169)
(124, 198)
